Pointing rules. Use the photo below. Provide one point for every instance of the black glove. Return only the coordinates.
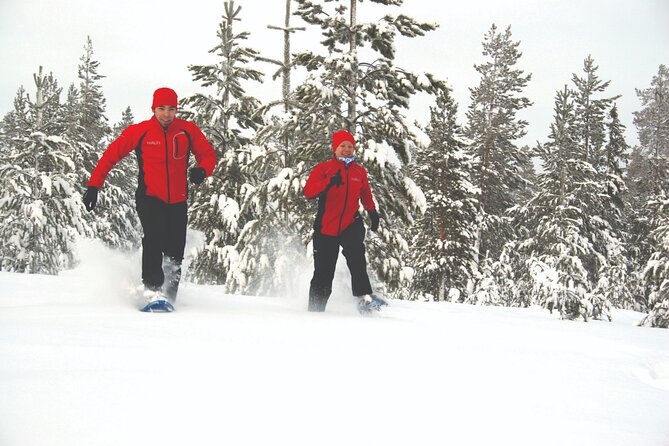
(90, 198)
(335, 180)
(374, 216)
(196, 175)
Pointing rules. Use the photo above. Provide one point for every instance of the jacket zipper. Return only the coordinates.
(341, 217)
(167, 166)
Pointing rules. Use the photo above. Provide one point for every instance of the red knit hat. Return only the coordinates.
(164, 96)
(341, 136)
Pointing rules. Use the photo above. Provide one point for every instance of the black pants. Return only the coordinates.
(326, 251)
(164, 228)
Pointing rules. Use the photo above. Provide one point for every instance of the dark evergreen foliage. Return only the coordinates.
(442, 245)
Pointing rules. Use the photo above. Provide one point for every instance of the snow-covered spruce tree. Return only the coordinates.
(652, 123)
(657, 268)
(442, 246)
(616, 148)
(127, 119)
(608, 269)
(367, 97)
(559, 245)
(502, 281)
(92, 103)
(493, 128)
(648, 174)
(114, 220)
(590, 114)
(40, 208)
(269, 247)
(648, 182)
(639, 182)
(613, 277)
(86, 123)
(223, 115)
(509, 269)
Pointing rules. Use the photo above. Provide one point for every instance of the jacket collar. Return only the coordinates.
(337, 160)
(156, 123)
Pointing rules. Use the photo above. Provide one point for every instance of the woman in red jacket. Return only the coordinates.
(340, 184)
(163, 145)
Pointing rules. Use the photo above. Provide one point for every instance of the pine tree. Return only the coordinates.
(116, 221)
(367, 97)
(657, 267)
(558, 246)
(493, 128)
(40, 207)
(590, 112)
(442, 246)
(127, 119)
(652, 123)
(92, 102)
(608, 268)
(268, 248)
(616, 148)
(216, 208)
(614, 273)
(528, 175)
(85, 114)
(285, 64)
(71, 114)
(649, 186)
(639, 192)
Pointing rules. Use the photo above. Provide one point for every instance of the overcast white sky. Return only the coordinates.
(145, 44)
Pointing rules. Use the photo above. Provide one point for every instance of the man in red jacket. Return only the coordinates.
(163, 145)
(340, 184)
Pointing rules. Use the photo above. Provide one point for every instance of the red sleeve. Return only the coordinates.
(317, 182)
(205, 155)
(116, 151)
(366, 194)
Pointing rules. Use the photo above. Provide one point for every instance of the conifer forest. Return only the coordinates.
(578, 223)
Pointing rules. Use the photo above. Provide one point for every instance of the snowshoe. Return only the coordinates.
(159, 306)
(156, 302)
(370, 303)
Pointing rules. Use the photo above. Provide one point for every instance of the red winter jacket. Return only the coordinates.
(338, 205)
(162, 155)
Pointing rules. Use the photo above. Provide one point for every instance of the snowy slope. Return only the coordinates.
(80, 366)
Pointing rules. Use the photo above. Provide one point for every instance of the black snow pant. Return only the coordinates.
(163, 243)
(326, 251)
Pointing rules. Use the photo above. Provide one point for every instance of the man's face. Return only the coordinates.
(165, 114)
(345, 149)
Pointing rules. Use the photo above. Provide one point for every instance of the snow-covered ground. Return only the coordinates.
(80, 366)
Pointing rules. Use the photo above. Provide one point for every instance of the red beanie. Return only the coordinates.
(164, 96)
(341, 136)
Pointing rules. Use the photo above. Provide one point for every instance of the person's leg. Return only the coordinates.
(326, 251)
(177, 221)
(353, 247)
(152, 215)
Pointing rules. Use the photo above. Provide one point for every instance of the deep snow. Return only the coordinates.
(80, 366)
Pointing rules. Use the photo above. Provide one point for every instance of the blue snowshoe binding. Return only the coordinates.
(369, 303)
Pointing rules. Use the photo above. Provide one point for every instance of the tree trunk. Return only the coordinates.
(354, 70)
(286, 59)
